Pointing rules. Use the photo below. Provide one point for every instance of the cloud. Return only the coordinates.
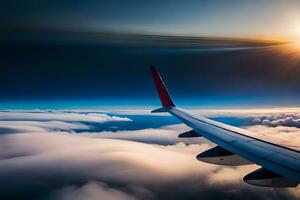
(67, 165)
(291, 120)
(144, 164)
(165, 135)
(91, 191)
(38, 126)
(58, 116)
(54, 159)
(282, 128)
(267, 117)
(38, 120)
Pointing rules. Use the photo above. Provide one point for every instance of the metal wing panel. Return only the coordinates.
(274, 157)
(291, 162)
(271, 156)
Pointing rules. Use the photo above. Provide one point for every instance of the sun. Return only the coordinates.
(295, 32)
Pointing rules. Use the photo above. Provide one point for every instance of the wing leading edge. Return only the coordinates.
(280, 164)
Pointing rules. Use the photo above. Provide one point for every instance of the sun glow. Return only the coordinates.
(294, 36)
(295, 31)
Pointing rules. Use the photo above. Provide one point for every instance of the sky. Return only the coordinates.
(97, 76)
(76, 94)
(277, 19)
(68, 54)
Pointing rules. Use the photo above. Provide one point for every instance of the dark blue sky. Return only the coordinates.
(75, 54)
(97, 75)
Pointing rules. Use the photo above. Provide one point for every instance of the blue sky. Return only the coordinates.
(55, 76)
(234, 18)
(54, 54)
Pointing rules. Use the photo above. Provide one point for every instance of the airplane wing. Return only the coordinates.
(280, 163)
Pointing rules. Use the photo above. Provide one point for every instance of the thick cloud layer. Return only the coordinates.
(44, 162)
(291, 120)
(91, 190)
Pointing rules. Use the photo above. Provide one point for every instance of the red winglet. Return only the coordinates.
(162, 91)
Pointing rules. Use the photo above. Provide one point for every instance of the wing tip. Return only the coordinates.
(162, 91)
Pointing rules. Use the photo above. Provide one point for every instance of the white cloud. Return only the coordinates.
(292, 120)
(59, 116)
(38, 126)
(163, 135)
(57, 158)
(112, 166)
